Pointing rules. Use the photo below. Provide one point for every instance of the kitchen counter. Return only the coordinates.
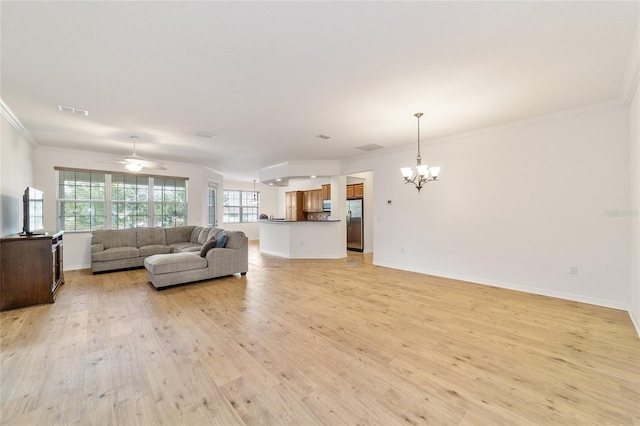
(303, 239)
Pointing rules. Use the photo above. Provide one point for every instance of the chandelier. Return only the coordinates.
(421, 174)
(254, 202)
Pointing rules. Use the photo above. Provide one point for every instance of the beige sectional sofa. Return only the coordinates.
(171, 255)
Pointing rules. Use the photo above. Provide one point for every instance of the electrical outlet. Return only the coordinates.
(402, 250)
(573, 270)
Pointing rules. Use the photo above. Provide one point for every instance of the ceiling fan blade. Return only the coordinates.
(153, 165)
(150, 164)
(134, 158)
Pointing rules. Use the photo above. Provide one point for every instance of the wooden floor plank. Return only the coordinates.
(300, 341)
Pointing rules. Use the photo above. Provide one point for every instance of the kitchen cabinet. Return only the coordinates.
(355, 190)
(316, 200)
(294, 205)
(312, 200)
(306, 201)
(358, 190)
(326, 192)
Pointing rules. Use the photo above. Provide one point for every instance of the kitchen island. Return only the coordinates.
(303, 239)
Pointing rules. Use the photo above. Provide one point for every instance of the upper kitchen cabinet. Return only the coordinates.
(355, 190)
(326, 192)
(294, 205)
(312, 200)
(358, 190)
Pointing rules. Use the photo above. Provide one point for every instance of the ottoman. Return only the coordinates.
(176, 268)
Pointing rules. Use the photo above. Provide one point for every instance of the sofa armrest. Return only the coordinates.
(226, 261)
(218, 254)
(95, 248)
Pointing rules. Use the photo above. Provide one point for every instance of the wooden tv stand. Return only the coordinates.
(30, 269)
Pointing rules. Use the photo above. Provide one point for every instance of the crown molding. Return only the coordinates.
(6, 112)
(617, 103)
(631, 78)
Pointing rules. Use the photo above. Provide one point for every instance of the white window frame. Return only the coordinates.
(152, 218)
(244, 197)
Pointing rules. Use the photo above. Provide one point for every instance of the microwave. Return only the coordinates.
(326, 205)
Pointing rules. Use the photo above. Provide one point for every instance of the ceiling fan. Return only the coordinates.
(135, 163)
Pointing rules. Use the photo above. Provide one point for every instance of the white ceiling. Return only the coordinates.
(267, 77)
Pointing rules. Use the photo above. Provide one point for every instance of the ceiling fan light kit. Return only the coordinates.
(135, 163)
(133, 167)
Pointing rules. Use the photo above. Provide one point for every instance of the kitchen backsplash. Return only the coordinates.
(318, 215)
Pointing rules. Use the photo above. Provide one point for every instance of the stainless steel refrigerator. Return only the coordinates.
(355, 225)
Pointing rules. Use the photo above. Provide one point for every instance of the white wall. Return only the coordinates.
(77, 244)
(269, 198)
(516, 207)
(16, 173)
(634, 138)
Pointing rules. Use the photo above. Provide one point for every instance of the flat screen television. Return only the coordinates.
(33, 212)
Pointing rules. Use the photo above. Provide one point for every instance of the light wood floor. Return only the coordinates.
(338, 342)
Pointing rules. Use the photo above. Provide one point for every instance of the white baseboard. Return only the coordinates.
(635, 321)
(288, 256)
(76, 267)
(509, 286)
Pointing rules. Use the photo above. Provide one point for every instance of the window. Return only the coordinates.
(81, 198)
(89, 200)
(211, 206)
(240, 206)
(129, 201)
(170, 202)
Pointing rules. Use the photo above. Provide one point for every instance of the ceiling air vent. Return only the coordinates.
(370, 147)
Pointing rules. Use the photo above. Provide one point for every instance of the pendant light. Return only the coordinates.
(421, 174)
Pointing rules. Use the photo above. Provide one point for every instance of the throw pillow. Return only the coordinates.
(222, 239)
(211, 243)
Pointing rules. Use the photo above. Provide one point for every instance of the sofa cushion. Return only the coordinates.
(150, 250)
(211, 243)
(114, 238)
(195, 234)
(180, 247)
(204, 235)
(115, 253)
(178, 234)
(222, 240)
(177, 262)
(213, 233)
(150, 237)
